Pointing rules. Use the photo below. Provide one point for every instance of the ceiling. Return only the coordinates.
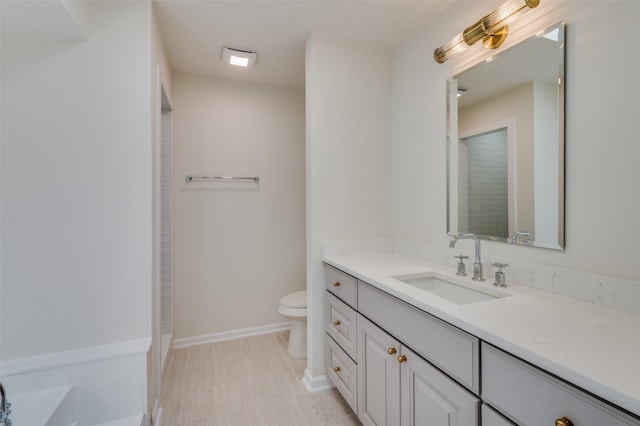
(194, 32)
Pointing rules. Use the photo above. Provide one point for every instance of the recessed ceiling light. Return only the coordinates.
(240, 58)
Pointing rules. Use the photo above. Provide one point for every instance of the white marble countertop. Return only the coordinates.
(594, 347)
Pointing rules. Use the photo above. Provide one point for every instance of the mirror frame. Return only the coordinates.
(452, 119)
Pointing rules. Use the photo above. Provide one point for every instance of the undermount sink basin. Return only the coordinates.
(455, 292)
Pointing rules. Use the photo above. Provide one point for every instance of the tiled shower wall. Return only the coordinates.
(483, 207)
(166, 241)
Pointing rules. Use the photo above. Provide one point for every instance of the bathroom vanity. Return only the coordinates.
(404, 352)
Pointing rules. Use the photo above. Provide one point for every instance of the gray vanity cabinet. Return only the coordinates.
(398, 387)
(397, 365)
(385, 382)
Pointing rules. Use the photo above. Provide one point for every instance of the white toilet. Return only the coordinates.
(294, 307)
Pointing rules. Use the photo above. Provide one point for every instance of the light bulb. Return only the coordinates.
(506, 13)
(453, 47)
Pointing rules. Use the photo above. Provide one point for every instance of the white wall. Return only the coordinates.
(76, 185)
(239, 246)
(602, 209)
(77, 208)
(70, 19)
(348, 90)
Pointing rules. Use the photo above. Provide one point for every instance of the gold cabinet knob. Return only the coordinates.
(402, 358)
(337, 369)
(564, 422)
(391, 351)
(336, 283)
(337, 323)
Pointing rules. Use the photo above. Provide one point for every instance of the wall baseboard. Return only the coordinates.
(316, 384)
(205, 339)
(138, 420)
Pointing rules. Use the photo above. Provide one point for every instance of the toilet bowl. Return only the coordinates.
(294, 307)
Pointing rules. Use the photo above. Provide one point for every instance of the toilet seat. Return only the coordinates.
(294, 304)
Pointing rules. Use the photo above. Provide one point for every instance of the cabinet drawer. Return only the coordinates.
(342, 372)
(342, 285)
(450, 349)
(341, 324)
(491, 417)
(529, 396)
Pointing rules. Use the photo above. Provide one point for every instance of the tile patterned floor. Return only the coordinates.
(246, 382)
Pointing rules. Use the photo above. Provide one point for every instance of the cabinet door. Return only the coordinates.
(378, 376)
(428, 397)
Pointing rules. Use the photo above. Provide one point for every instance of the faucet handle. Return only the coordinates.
(4, 417)
(461, 266)
(500, 280)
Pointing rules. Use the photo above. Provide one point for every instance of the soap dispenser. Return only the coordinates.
(500, 280)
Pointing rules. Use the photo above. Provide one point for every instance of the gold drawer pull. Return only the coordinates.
(337, 369)
(391, 351)
(564, 422)
(402, 358)
(336, 283)
(337, 323)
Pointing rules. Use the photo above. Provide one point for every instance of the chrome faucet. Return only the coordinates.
(4, 408)
(477, 264)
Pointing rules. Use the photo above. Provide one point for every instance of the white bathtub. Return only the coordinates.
(48, 407)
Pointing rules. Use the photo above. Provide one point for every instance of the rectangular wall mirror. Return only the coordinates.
(505, 145)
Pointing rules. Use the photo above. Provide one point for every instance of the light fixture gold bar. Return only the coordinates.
(474, 33)
(492, 29)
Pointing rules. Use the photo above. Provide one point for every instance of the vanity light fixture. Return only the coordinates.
(492, 29)
(240, 58)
